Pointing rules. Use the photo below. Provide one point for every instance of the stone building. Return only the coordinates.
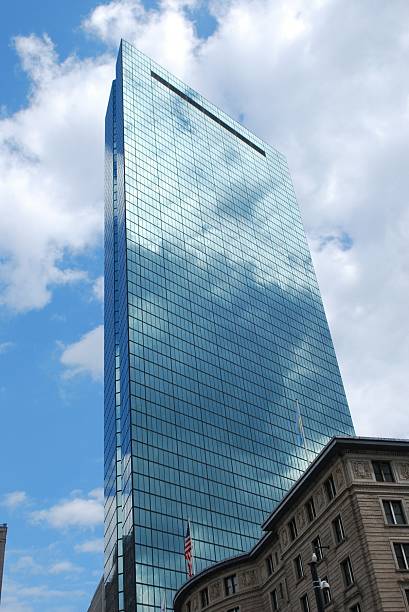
(98, 601)
(350, 508)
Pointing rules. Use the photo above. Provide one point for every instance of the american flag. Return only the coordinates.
(189, 552)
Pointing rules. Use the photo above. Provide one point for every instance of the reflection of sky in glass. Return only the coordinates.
(226, 332)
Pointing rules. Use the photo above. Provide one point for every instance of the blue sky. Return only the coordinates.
(333, 100)
(52, 429)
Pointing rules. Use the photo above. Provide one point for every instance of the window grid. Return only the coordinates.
(347, 572)
(274, 599)
(305, 604)
(383, 471)
(269, 565)
(330, 489)
(230, 584)
(217, 311)
(204, 597)
(299, 568)
(394, 512)
(292, 527)
(310, 508)
(402, 554)
(338, 528)
(317, 548)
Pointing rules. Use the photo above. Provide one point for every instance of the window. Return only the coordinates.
(310, 508)
(280, 586)
(274, 599)
(269, 565)
(204, 598)
(317, 548)
(402, 554)
(394, 512)
(407, 596)
(338, 529)
(326, 593)
(292, 526)
(299, 569)
(230, 584)
(305, 604)
(237, 609)
(355, 608)
(276, 557)
(189, 606)
(347, 573)
(383, 471)
(330, 489)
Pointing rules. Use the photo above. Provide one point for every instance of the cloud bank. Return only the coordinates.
(85, 356)
(79, 511)
(333, 99)
(14, 499)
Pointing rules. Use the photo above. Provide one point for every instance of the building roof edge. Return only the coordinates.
(332, 448)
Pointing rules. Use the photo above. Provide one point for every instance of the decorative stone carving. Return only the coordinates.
(362, 470)
(403, 471)
(215, 590)
(195, 603)
(248, 578)
(320, 498)
(339, 477)
(284, 537)
(301, 517)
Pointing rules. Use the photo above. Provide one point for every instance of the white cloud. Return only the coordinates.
(5, 347)
(27, 564)
(43, 592)
(17, 597)
(51, 190)
(90, 546)
(98, 288)
(85, 356)
(79, 511)
(334, 100)
(64, 567)
(10, 603)
(167, 35)
(14, 499)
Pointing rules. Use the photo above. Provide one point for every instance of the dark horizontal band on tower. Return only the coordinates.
(207, 113)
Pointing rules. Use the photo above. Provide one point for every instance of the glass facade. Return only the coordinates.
(217, 349)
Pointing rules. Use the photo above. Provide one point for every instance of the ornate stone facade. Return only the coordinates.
(403, 470)
(215, 590)
(320, 498)
(339, 477)
(248, 578)
(362, 470)
(378, 585)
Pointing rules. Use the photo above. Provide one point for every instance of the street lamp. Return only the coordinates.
(318, 585)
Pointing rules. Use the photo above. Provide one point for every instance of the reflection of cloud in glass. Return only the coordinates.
(226, 332)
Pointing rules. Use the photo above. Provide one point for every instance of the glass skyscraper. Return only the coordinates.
(221, 381)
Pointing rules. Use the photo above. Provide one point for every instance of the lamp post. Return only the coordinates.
(316, 583)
